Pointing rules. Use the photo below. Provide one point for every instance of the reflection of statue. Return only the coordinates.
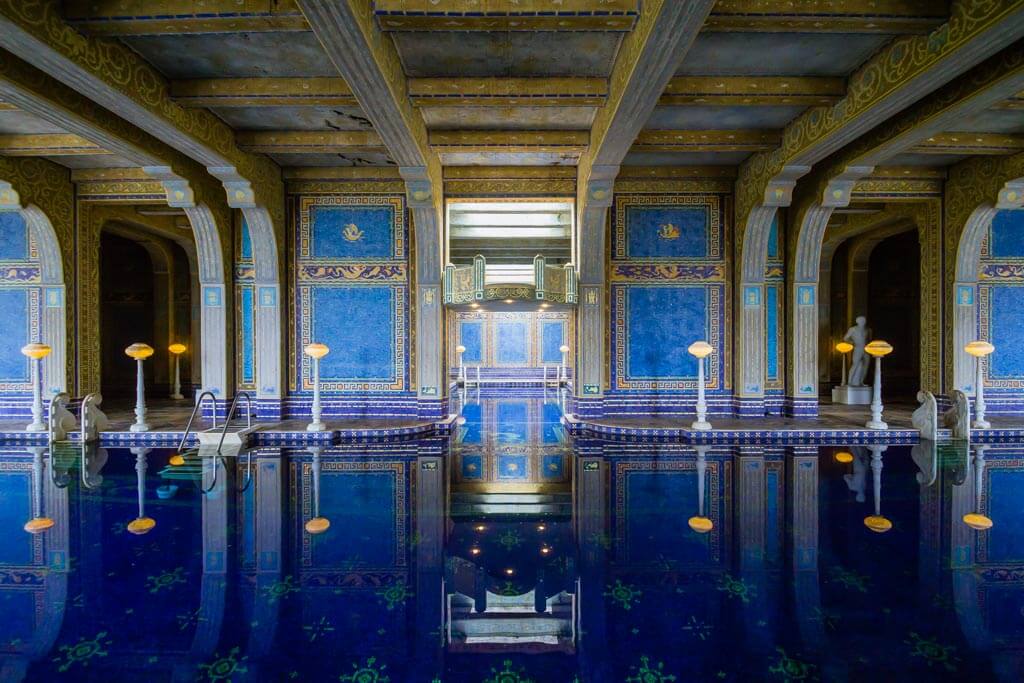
(858, 335)
(857, 481)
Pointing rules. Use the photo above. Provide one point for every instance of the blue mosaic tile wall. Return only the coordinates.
(20, 291)
(511, 342)
(1001, 300)
(351, 292)
(774, 327)
(669, 287)
(245, 308)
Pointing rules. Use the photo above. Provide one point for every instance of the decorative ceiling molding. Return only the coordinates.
(898, 17)
(753, 91)
(48, 145)
(509, 141)
(306, 141)
(706, 141)
(990, 144)
(508, 92)
(157, 17)
(263, 92)
(506, 15)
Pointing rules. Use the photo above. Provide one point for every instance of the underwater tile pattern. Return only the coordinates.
(229, 585)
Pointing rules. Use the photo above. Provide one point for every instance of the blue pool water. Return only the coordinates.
(508, 554)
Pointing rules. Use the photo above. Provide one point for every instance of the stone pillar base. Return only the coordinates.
(851, 396)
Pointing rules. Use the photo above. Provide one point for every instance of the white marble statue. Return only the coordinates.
(857, 480)
(858, 335)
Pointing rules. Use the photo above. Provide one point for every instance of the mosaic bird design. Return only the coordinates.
(351, 232)
(669, 231)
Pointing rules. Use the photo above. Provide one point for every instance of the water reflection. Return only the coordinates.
(508, 552)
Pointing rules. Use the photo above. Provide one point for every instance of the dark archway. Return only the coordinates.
(127, 312)
(894, 310)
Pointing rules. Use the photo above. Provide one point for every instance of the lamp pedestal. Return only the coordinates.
(176, 393)
(701, 423)
(876, 399)
(140, 424)
(979, 398)
(317, 424)
(37, 424)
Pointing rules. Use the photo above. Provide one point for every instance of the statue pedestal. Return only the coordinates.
(851, 396)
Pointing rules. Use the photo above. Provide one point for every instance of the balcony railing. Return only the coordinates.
(468, 284)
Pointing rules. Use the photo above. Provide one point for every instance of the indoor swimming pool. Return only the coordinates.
(511, 553)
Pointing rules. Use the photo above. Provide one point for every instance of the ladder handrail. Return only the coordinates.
(199, 404)
(231, 412)
(61, 397)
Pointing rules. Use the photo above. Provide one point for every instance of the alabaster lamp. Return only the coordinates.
(39, 523)
(877, 522)
(176, 350)
(878, 349)
(977, 520)
(36, 353)
(459, 350)
(139, 352)
(141, 524)
(844, 348)
(699, 522)
(701, 350)
(316, 351)
(564, 348)
(979, 349)
(843, 457)
(317, 524)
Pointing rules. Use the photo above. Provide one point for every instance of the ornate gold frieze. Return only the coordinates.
(263, 92)
(753, 90)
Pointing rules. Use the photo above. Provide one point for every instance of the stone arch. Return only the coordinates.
(211, 270)
(751, 360)
(268, 318)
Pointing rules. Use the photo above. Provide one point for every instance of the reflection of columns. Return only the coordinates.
(802, 522)
(213, 585)
(592, 229)
(750, 500)
(430, 592)
(592, 538)
(268, 527)
(929, 561)
(423, 197)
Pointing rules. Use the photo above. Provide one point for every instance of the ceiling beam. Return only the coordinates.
(305, 141)
(1016, 102)
(506, 15)
(972, 144)
(507, 92)
(515, 141)
(923, 128)
(263, 92)
(753, 91)
(152, 17)
(904, 71)
(369, 62)
(828, 16)
(706, 141)
(48, 145)
(646, 62)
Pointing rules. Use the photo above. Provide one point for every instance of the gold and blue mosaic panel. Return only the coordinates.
(245, 307)
(352, 228)
(20, 276)
(352, 282)
(1001, 299)
(655, 227)
(652, 326)
(365, 327)
(509, 340)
